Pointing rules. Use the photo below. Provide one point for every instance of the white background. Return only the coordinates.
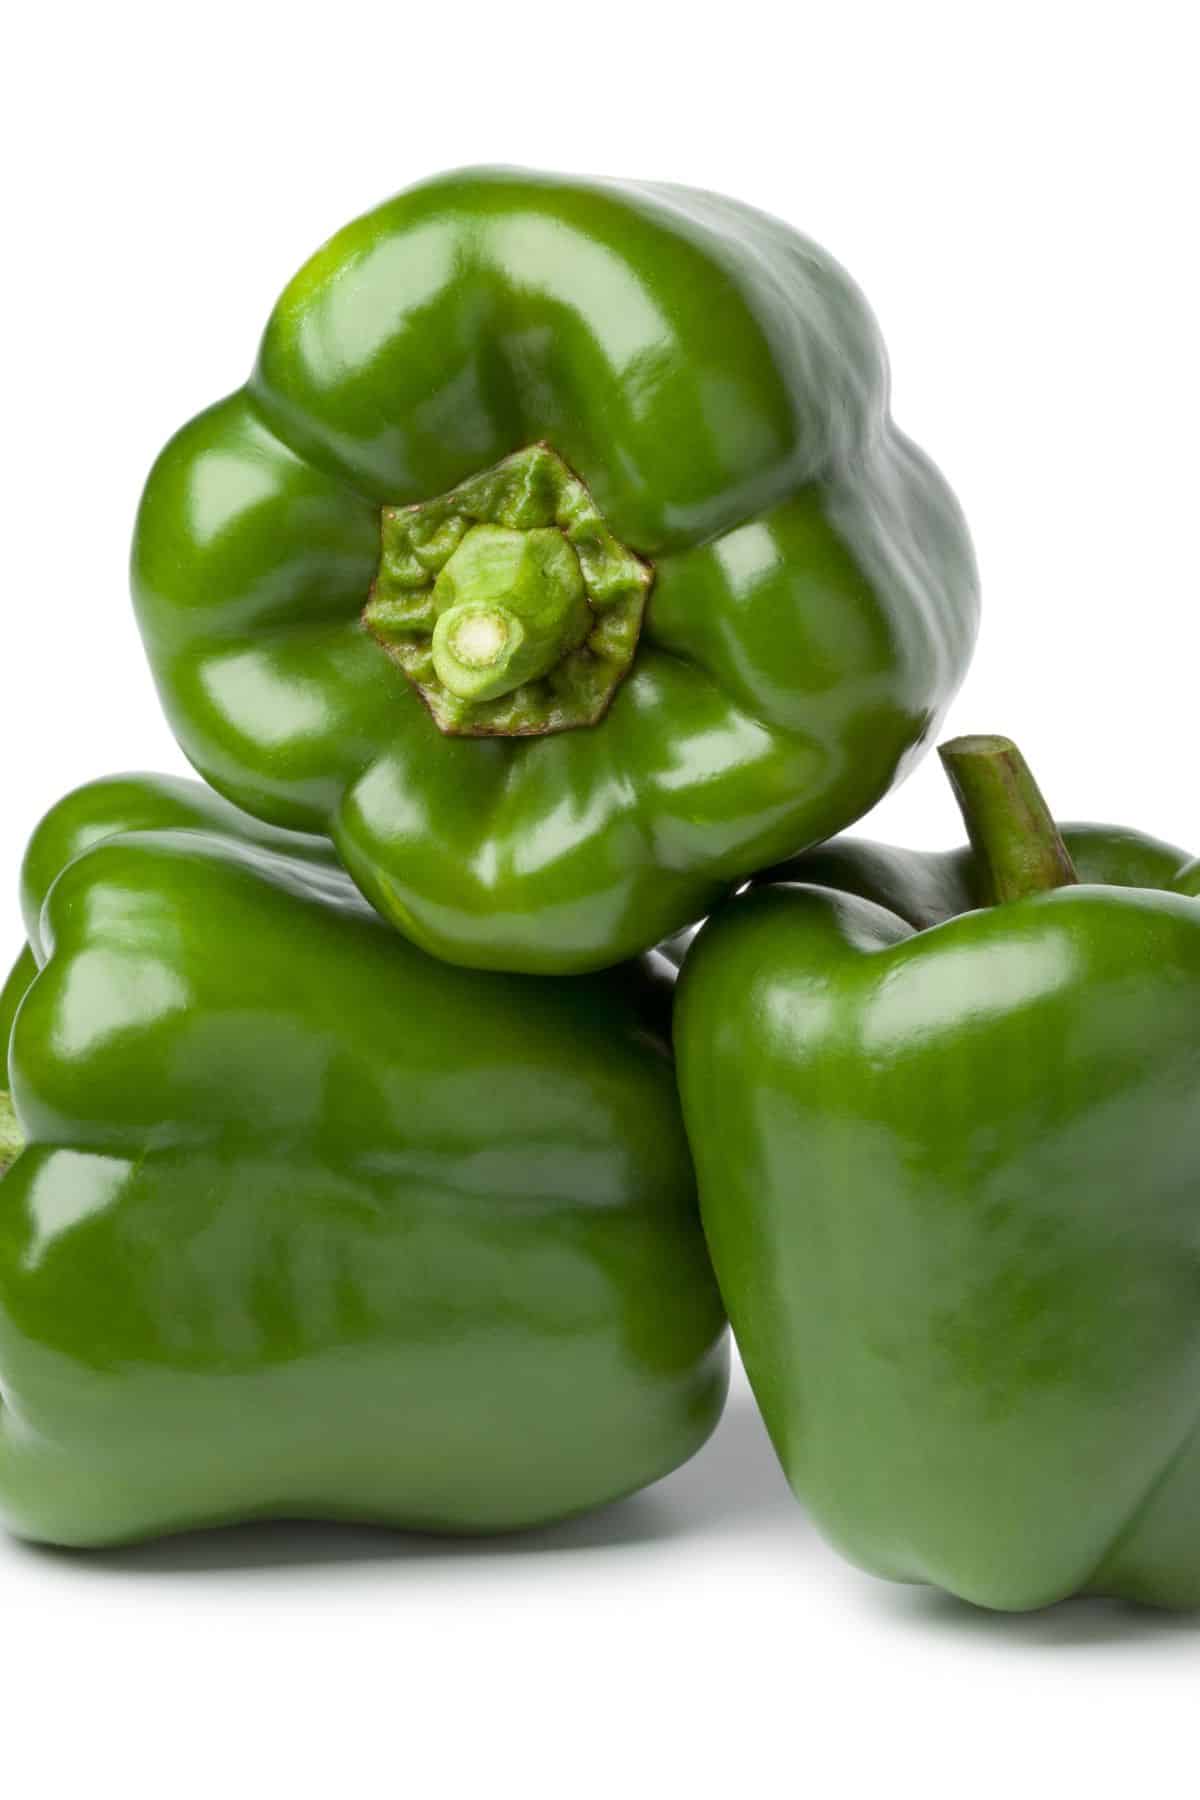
(1015, 188)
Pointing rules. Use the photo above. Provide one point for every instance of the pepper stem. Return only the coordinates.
(1018, 848)
(508, 603)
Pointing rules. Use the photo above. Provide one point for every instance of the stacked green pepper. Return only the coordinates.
(559, 562)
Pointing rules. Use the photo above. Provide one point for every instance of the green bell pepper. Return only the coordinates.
(307, 1224)
(559, 562)
(945, 1110)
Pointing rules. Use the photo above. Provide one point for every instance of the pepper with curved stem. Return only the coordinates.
(945, 1112)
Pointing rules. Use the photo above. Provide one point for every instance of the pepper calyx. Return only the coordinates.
(508, 603)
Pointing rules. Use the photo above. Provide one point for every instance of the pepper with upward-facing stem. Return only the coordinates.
(560, 563)
(945, 1110)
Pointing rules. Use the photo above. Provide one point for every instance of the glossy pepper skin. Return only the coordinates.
(310, 1225)
(949, 1166)
(717, 385)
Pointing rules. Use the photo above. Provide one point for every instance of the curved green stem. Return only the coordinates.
(1018, 848)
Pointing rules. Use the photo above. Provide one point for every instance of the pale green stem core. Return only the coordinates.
(508, 602)
(12, 1138)
(1018, 847)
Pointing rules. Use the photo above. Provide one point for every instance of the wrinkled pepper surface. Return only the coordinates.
(945, 1110)
(559, 562)
(300, 1222)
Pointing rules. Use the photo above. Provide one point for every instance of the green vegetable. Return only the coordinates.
(307, 1224)
(559, 563)
(944, 1110)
